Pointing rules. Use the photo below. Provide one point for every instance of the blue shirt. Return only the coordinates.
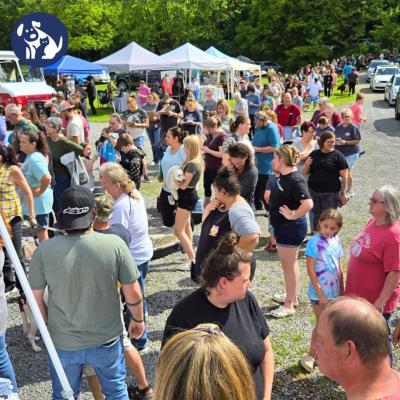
(327, 253)
(169, 160)
(34, 168)
(255, 99)
(267, 136)
(346, 71)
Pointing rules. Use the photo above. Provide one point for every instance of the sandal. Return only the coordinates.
(280, 298)
(307, 362)
(134, 393)
(282, 312)
(271, 247)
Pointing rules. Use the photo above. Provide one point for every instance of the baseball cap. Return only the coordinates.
(77, 206)
(104, 206)
(66, 105)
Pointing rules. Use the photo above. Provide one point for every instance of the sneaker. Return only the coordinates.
(280, 298)
(146, 178)
(282, 312)
(134, 393)
(307, 362)
(349, 194)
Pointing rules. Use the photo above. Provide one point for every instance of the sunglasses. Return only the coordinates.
(259, 117)
(374, 201)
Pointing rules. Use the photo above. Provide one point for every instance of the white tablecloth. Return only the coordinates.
(121, 104)
(218, 92)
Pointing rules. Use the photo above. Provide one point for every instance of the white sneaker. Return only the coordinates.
(307, 362)
(280, 298)
(282, 312)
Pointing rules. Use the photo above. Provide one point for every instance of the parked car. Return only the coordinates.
(372, 65)
(127, 82)
(382, 76)
(397, 106)
(22, 84)
(269, 64)
(391, 89)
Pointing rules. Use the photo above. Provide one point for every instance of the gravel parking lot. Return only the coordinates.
(290, 337)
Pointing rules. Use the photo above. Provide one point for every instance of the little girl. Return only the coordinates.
(88, 162)
(323, 254)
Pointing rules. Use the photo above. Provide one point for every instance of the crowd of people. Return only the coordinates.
(263, 156)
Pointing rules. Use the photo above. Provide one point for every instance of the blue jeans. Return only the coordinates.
(154, 135)
(139, 142)
(107, 360)
(6, 368)
(142, 341)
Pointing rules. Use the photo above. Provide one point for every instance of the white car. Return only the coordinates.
(391, 89)
(382, 76)
(372, 65)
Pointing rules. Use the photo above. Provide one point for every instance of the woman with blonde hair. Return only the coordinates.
(224, 115)
(193, 167)
(191, 121)
(289, 202)
(130, 211)
(225, 372)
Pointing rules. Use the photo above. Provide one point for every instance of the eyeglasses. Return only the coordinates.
(374, 201)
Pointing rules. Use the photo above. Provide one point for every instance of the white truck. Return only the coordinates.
(22, 84)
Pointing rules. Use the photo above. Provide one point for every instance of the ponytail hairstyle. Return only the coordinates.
(289, 154)
(223, 262)
(240, 119)
(227, 180)
(40, 139)
(178, 133)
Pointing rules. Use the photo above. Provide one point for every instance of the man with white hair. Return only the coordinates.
(352, 349)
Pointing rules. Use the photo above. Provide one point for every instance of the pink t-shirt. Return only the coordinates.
(357, 112)
(373, 254)
(396, 394)
(143, 91)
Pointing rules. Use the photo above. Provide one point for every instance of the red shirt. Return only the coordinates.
(288, 116)
(166, 84)
(357, 112)
(373, 254)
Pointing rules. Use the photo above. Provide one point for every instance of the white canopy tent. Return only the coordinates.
(234, 64)
(133, 58)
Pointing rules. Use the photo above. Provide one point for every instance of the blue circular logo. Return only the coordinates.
(39, 39)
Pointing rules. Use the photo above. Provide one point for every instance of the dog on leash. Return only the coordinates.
(175, 176)
(341, 88)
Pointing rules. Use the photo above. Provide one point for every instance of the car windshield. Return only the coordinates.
(375, 64)
(9, 71)
(31, 74)
(386, 71)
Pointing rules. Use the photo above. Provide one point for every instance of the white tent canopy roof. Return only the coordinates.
(234, 63)
(134, 57)
(188, 56)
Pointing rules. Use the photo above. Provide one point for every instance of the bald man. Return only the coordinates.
(352, 349)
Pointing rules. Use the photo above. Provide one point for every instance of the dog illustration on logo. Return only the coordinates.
(36, 39)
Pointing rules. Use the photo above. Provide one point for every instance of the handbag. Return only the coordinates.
(74, 164)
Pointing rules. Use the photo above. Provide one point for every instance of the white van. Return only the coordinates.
(20, 83)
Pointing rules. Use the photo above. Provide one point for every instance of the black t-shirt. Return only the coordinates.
(166, 121)
(350, 132)
(248, 181)
(241, 321)
(290, 190)
(324, 171)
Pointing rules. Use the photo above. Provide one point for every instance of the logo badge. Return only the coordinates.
(39, 39)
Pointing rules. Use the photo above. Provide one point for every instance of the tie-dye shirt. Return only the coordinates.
(327, 253)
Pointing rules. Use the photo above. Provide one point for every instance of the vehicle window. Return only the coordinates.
(387, 71)
(376, 63)
(31, 74)
(9, 71)
(397, 81)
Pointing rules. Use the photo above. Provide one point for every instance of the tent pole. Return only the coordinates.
(147, 77)
(67, 391)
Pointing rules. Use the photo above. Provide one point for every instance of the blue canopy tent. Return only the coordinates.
(73, 65)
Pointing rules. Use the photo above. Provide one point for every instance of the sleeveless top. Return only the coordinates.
(9, 200)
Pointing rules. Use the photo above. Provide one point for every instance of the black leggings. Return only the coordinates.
(259, 201)
(209, 177)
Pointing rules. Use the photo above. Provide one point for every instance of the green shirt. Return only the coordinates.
(58, 149)
(81, 272)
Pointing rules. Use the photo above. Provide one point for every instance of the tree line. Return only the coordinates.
(292, 33)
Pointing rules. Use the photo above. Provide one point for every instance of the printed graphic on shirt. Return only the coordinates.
(362, 240)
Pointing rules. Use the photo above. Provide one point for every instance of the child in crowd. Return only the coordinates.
(323, 254)
(267, 101)
(131, 158)
(271, 185)
(88, 161)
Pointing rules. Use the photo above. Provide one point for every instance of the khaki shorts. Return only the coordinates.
(88, 370)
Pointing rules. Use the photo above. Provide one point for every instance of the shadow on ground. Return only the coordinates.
(389, 126)
(380, 104)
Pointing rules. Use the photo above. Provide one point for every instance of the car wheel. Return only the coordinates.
(123, 85)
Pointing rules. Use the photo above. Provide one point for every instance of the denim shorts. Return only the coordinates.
(291, 233)
(42, 221)
(139, 142)
(351, 159)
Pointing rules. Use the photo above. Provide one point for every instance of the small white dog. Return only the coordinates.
(175, 175)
